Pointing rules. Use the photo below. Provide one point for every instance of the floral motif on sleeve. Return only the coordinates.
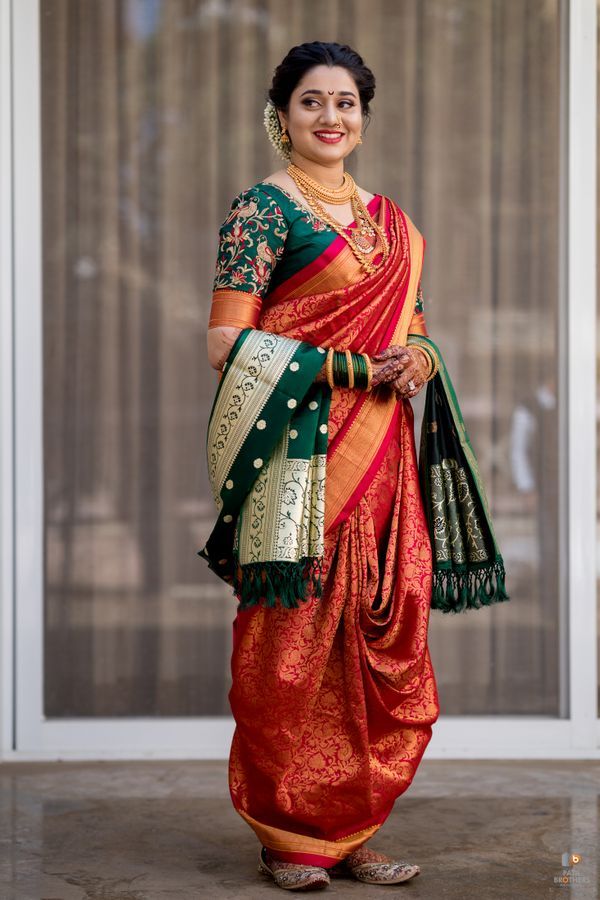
(314, 222)
(251, 241)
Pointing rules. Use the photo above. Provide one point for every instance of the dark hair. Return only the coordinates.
(317, 53)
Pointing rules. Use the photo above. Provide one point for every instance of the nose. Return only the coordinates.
(330, 114)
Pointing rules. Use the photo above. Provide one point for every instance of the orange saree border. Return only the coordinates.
(295, 847)
(355, 452)
(238, 308)
(418, 326)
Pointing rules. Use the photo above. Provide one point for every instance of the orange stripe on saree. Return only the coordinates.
(334, 702)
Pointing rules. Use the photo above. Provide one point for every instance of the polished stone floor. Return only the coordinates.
(167, 831)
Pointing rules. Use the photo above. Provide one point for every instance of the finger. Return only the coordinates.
(388, 372)
(403, 358)
(401, 386)
(411, 373)
(391, 374)
(393, 351)
(400, 389)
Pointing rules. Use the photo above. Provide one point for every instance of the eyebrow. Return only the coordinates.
(315, 91)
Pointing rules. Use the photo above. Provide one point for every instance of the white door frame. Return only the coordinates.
(24, 732)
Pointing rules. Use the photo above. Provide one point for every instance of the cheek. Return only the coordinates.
(303, 121)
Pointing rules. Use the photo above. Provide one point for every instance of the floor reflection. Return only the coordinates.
(164, 830)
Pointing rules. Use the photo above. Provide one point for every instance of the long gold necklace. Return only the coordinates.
(365, 239)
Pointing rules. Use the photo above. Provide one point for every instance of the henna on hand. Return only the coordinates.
(413, 369)
(388, 364)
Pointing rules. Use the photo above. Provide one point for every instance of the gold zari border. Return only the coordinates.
(351, 459)
(277, 839)
(238, 308)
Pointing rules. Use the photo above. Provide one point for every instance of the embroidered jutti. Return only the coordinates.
(334, 697)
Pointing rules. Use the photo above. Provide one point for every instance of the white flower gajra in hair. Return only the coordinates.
(274, 131)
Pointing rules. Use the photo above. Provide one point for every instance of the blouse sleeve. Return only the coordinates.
(417, 323)
(251, 241)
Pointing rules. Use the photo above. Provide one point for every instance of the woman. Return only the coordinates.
(317, 327)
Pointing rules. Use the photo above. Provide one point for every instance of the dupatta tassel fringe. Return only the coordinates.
(457, 591)
(266, 583)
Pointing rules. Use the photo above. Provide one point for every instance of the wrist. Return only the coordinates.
(424, 361)
(428, 360)
(346, 369)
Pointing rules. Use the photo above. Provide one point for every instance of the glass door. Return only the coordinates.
(144, 122)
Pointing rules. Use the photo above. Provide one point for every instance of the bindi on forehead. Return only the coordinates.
(317, 91)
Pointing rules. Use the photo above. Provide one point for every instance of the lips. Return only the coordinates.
(329, 137)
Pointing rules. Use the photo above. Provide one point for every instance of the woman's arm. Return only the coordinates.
(221, 338)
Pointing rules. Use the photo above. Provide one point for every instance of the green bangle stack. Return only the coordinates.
(341, 375)
(361, 373)
(340, 369)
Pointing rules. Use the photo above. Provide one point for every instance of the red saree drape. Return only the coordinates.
(334, 702)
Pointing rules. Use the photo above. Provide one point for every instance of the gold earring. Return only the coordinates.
(359, 141)
(285, 138)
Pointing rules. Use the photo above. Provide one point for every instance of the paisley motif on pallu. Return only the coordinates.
(266, 446)
(468, 566)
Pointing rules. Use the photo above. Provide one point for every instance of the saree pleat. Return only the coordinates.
(334, 701)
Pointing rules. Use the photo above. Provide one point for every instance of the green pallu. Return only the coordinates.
(468, 569)
(266, 449)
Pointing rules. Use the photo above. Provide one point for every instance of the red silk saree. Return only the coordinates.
(334, 701)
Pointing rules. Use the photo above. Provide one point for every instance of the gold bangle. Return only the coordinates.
(436, 366)
(350, 366)
(435, 363)
(367, 360)
(329, 368)
(424, 355)
(432, 358)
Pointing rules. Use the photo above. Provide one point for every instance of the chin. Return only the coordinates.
(324, 153)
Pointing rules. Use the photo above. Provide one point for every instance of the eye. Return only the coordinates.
(349, 103)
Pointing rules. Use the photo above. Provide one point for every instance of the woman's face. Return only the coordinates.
(324, 95)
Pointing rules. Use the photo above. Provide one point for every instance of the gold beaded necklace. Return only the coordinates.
(368, 232)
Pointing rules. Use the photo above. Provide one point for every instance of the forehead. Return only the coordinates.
(327, 78)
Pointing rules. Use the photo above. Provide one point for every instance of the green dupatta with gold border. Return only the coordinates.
(266, 449)
(468, 569)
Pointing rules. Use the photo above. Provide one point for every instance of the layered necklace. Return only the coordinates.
(365, 237)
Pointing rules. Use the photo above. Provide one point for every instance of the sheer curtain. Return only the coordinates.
(152, 122)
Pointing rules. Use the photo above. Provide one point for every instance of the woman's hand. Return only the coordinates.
(413, 373)
(388, 368)
(383, 372)
(219, 341)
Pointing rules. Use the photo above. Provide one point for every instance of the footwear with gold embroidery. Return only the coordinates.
(376, 868)
(292, 876)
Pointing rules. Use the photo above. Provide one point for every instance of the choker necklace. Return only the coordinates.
(366, 236)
